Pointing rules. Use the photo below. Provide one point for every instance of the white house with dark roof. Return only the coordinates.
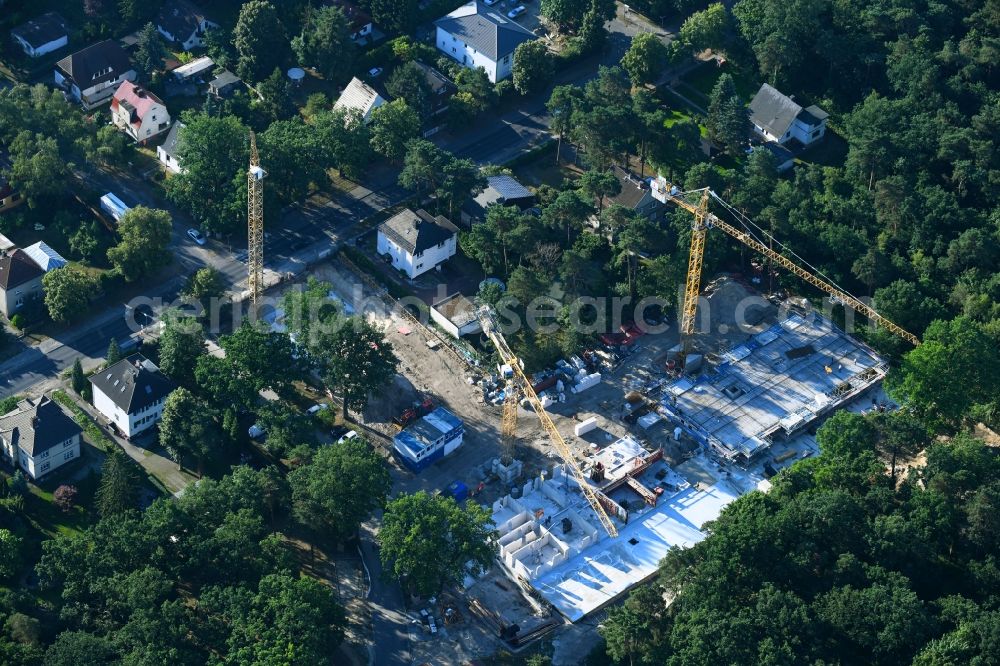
(39, 437)
(417, 242)
(20, 280)
(360, 97)
(477, 35)
(167, 151)
(92, 75)
(636, 195)
(776, 117)
(42, 35)
(183, 23)
(130, 394)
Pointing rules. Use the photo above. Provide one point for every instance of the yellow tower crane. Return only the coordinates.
(255, 224)
(704, 220)
(508, 426)
(491, 327)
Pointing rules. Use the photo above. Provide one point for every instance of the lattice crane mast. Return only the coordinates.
(508, 425)
(704, 220)
(488, 320)
(255, 224)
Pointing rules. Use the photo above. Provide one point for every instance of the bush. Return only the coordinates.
(65, 497)
(17, 321)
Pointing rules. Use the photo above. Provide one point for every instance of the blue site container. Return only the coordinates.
(458, 490)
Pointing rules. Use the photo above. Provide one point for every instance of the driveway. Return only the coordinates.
(390, 624)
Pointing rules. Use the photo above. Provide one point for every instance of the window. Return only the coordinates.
(420, 266)
(506, 59)
(69, 455)
(44, 467)
(68, 442)
(44, 454)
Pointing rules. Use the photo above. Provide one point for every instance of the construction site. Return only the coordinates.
(597, 467)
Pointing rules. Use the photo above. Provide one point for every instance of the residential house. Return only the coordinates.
(20, 280)
(777, 117)
(138, 112)
(92, 75)
(9, 197)
(167, 152)
(456, 314)
(358, 20)
(131, 393)
(44, 256)
(636, 195)
(39, 437)
(442, 88)
(417, 242)
(360, 97)
(225, 84)
(42, 35)
(183, 23)
(502, 190)
(477, 35)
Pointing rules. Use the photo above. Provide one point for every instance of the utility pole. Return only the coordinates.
(255, 224)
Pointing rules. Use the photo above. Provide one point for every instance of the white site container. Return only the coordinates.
(583, 427)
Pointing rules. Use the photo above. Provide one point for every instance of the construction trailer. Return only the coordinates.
(428, 439)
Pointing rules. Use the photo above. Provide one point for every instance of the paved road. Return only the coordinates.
(390, 624)
(304, 231)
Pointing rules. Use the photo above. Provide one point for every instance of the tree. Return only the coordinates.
(645, 59)
(705, 29)
(182, 342)
(598, 185)
(37, 169)
(423, 166)
(145, 235)
(18, 484)
(259, 38)
(119, 484)
(562, 104)
(204, 286)
(432, 541)
(462, 179)
(285, 619)
(397, 16)
(728, 121)
(84, 241)
(566, 14)
(593, 34)
(11, 553)
(285, 427)
(260, 359)
(357, 360)
(113, 354)
(149, 50)
(567, 213)
(347, 139)
(476, 82)
(409, 83)
(65, 497)
(67, 292)
(956, 367)
(296, 158)
(392, 126)
(325, 43)
(212, 187)
(187, 428)
(533, 68)
(78, 379)
(310, 312)
(274, 96)
(78, 648)
(339, 488)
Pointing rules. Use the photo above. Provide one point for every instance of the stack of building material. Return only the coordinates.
(583, 427)
(588, 381)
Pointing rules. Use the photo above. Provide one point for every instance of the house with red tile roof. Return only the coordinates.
(138, 112)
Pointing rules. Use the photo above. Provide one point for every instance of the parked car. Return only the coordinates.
(255, 431)
(196, 236)
(318, 407)
(375, 72)
(351, 434)
(517, 11)
(490, 3)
